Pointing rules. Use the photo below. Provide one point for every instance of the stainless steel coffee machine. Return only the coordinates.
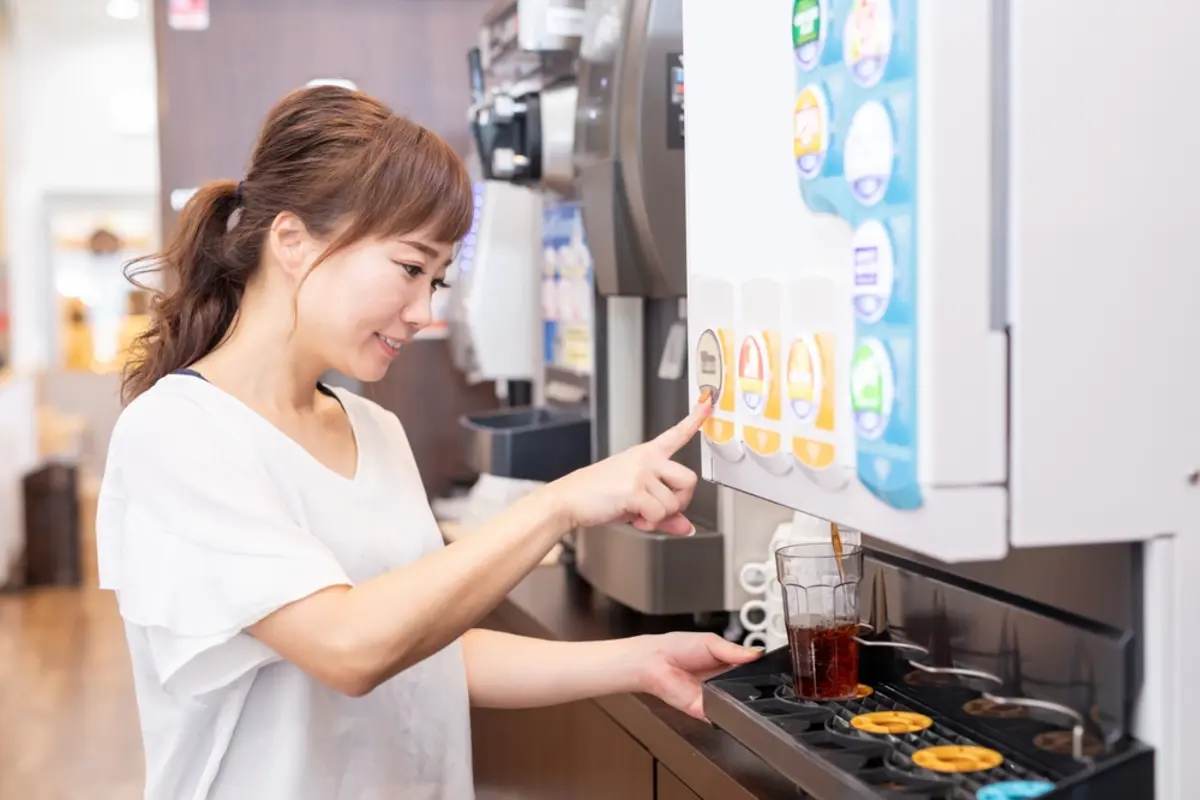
(629, 161)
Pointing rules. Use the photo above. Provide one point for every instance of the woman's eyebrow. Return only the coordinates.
(424, 248)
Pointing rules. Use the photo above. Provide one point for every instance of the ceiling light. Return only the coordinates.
(124, 9)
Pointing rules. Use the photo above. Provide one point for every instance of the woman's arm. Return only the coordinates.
(507, 671)
(354, 638)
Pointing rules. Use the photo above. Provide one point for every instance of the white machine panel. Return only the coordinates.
(851, 386)
(1104, 281)
(878, 192)
(496, 285)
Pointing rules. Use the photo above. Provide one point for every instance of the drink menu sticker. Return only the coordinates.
(810, 19)
(804, 380)
(874, 263)
(867, 40)
(566, 290)
(855, 148)
(870, 153)
(752, 377)
(810, 131)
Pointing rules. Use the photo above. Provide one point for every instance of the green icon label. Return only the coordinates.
(806, 22)
(872, 389)
(866, 381)
(808, 31)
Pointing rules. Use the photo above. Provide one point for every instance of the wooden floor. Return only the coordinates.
(68, 721)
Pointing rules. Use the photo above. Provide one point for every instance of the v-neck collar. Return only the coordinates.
(329, 391)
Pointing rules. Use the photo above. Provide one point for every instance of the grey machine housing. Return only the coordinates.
(629, 162)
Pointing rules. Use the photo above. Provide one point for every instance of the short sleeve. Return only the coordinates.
(198, 543)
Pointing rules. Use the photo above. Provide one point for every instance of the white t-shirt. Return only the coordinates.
(211, 518)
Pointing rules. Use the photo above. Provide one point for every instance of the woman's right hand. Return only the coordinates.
(641, 485)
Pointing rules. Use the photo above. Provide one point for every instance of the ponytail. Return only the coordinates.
(204, 280)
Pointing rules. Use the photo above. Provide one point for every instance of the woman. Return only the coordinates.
(296, 627)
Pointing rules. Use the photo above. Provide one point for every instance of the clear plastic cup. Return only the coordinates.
(820, 606)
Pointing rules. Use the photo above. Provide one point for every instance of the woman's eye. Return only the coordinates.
(440, 284)
(413, 270)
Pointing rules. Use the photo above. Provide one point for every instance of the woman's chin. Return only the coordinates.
(365, 370)
(372, 373)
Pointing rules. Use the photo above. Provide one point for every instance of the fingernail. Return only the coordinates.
(692, 532)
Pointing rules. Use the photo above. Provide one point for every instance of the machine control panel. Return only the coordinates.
(854, 147)
(809, 269)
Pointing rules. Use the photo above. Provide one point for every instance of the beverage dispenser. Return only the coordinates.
(522, 117)
(930, 268)
(629, 158)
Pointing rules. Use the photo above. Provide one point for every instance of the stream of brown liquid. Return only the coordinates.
(836, 540)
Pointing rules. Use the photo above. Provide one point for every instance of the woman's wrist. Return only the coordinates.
(553, 499)
(552, 508)
(622, 666)
(637, 663)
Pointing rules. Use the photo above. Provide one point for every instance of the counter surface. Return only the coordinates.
(553, 603)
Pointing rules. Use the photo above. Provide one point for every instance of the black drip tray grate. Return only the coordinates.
(827, 728)
(902, 745)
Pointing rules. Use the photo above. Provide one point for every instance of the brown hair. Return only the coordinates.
(330, 156)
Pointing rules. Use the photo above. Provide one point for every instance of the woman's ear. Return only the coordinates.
(291, 245)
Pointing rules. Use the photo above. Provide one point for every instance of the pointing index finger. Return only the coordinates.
(674, 438)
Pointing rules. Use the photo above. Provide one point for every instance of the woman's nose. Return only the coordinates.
(419, 313)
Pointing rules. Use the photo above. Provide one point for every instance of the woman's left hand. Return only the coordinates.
(672, 666)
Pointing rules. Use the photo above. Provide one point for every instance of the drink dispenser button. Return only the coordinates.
(710, 367)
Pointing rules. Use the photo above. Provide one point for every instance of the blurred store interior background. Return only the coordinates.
(113, 111)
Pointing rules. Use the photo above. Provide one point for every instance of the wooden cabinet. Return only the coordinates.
(623, 746)
(670, 787)
(573, 751)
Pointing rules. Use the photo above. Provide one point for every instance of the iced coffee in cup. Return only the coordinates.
(820, 605)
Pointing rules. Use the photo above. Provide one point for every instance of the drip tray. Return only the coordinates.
(531, 444)
(901, 741)
(654, 573)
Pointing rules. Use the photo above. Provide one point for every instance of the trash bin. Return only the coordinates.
(52, 526)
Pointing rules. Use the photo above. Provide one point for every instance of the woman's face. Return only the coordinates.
(361, 305)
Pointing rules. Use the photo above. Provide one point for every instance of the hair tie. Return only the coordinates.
(239, 200)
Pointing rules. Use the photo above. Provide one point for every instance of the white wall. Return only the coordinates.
(67, 67)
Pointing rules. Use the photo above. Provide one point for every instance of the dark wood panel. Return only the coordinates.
(574, 751)
(669, 787)
(216, 85)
